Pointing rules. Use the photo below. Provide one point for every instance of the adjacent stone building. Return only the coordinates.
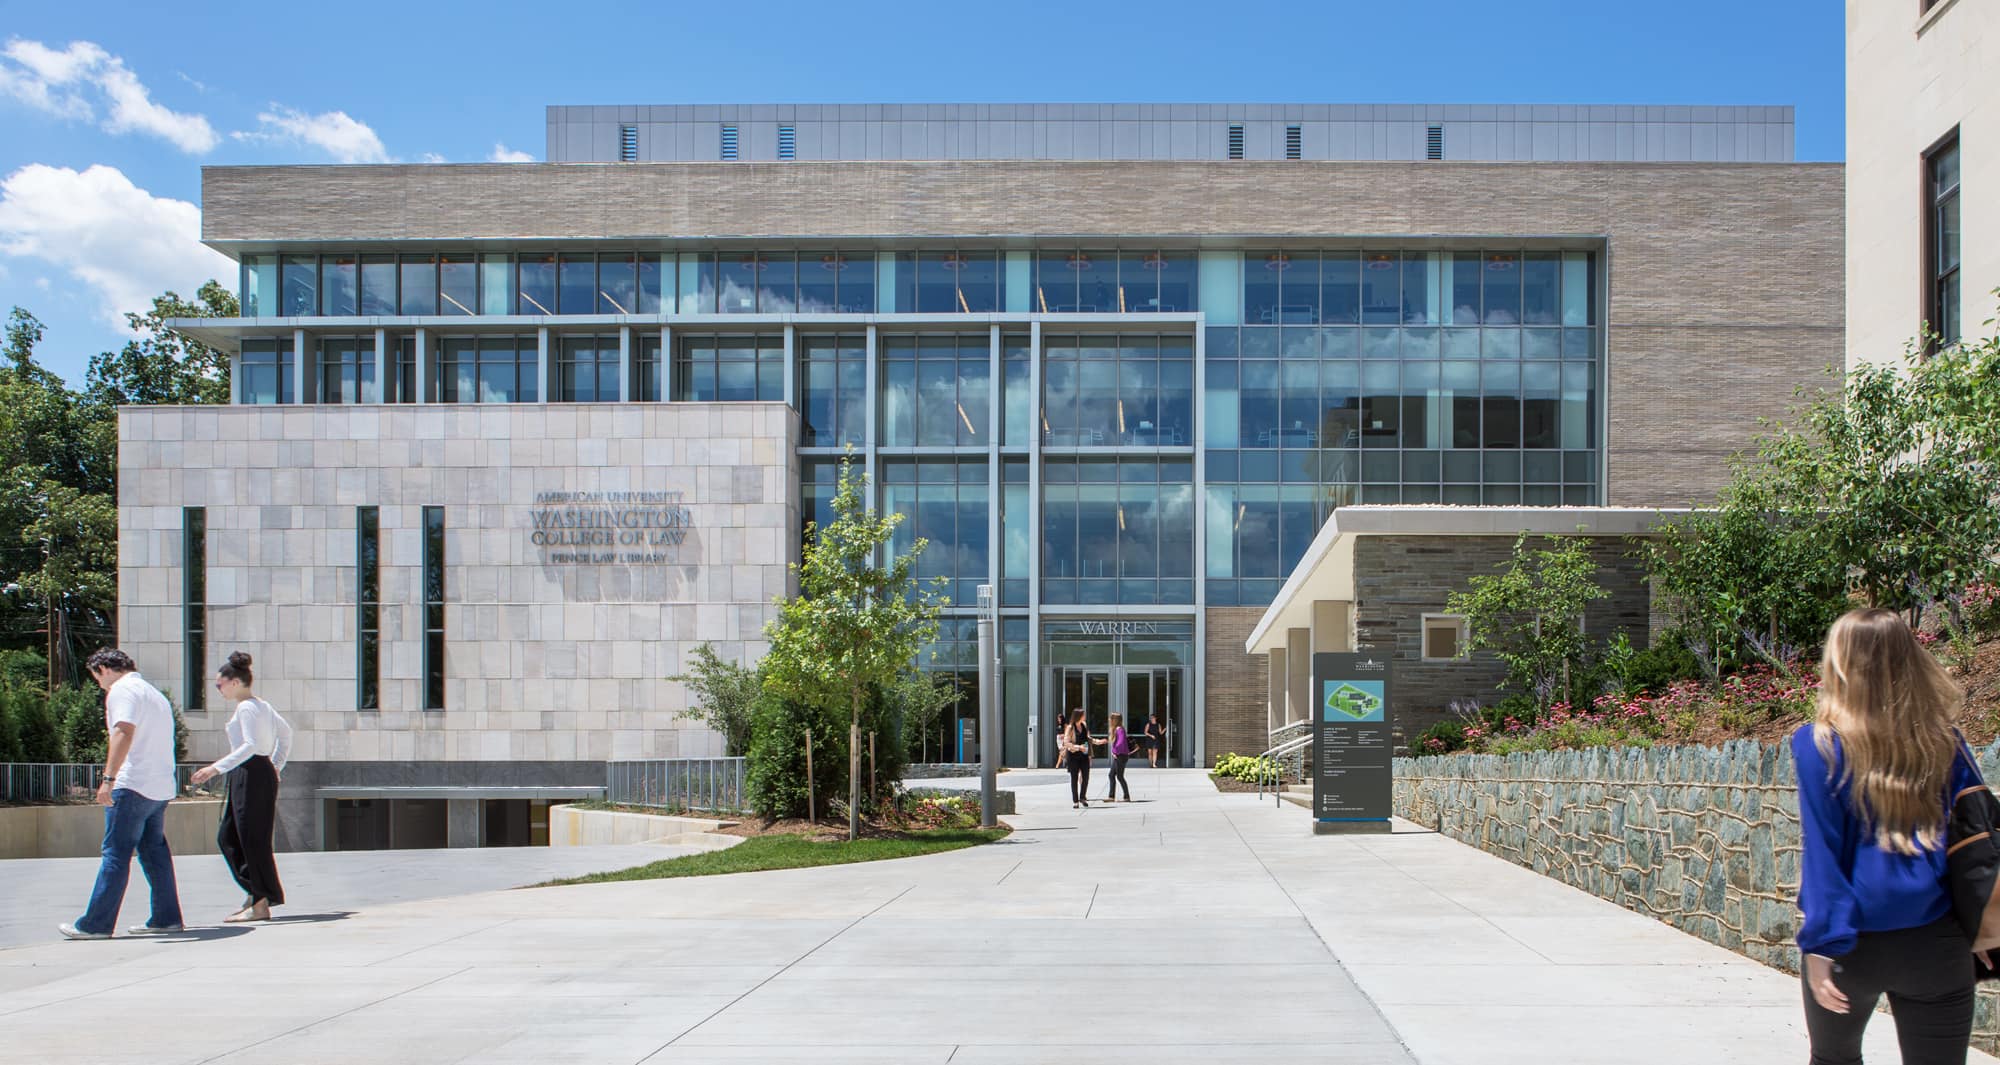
(463, 611)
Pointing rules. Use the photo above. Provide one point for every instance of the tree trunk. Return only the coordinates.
(854, 770)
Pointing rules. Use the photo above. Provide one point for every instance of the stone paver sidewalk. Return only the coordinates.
(1188, 927)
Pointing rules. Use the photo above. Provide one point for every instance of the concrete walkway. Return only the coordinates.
(1188, 927)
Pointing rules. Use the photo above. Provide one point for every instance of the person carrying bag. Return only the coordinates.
(1879, 775)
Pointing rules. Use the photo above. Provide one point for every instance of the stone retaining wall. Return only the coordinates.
(77, 830)
(1703, 838)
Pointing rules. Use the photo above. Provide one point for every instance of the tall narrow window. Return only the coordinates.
(729, 142)
(1434, 143)
(1294, 143)
(1235, 141)
(628, 144)
(788, 142)
(194, 606)
(433, 608)
(1941, 173)
(368, 608)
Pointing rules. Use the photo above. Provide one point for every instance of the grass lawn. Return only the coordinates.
(786, 851)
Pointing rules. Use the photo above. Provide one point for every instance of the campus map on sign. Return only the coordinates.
(1353, 700)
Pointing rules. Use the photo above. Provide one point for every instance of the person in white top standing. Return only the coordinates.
(138, 782)
(260, 741)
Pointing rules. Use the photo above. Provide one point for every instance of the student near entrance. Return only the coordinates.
(138, 782)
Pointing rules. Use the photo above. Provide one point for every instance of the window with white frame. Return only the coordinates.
(1444, 637)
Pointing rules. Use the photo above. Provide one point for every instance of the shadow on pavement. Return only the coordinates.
(311, 918)
(201, 935)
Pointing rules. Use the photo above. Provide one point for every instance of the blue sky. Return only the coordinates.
(108, 112)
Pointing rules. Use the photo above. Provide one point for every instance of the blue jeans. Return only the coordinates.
(133, 822)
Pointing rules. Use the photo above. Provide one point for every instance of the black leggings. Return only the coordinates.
(1927, 974)
(1118, 777)
(1079, 777)
(248, 819)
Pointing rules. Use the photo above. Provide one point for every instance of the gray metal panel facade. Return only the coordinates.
(1542, 133)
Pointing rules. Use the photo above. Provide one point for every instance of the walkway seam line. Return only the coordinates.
(101, 991)
(440, 943)
(334, 1017)
(720, 1010)
(1094, 888)
(1230, 820)
(1008, 873)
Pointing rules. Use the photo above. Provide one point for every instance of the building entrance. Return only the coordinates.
(1137, 693)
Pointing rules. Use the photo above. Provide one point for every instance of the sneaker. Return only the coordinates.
(70, 931)
(151, 930)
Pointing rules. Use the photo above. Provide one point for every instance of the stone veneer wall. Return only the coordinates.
(1398, 579)
(1703, 838)
(548, 665)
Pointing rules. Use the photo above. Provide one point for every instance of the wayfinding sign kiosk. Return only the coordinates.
(1352, 774)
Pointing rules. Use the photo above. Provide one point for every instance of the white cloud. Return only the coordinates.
(432, 157)
(123, 243)
(336, 133)
(504, 154)
(63, 83)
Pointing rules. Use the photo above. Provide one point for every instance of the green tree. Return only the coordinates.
(58, 515)
(1906, 464)
(1530, 615)
(1752, 578)
(856, 624)
(162, 366)
(922, 698)
(725, 696)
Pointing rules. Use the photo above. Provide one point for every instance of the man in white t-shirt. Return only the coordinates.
(139, 779)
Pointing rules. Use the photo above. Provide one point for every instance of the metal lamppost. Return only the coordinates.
(989, 712)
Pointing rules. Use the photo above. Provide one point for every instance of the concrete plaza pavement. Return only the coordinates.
(1187, 927)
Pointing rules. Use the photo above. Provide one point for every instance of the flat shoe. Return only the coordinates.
(154, 930)
(70, 931)
(243, 917)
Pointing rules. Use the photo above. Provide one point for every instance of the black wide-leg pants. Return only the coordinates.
(249, 821)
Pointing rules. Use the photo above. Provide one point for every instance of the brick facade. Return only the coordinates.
(1724, 278)
(1235, 697)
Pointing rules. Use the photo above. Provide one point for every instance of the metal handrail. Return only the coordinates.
(1277, 786)
(31, 782)
(709, 784)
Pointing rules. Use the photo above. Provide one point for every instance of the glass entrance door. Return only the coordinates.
(1088, 690)
(1155, 695)
(1137, 693)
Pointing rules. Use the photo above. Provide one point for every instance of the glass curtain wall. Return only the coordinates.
(1405, 376)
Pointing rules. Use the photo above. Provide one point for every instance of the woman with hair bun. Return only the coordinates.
(259, 741)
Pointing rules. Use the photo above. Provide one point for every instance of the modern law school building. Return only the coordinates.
(507, 441)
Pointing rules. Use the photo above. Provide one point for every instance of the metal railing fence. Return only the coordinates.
(42, 782)
(712, 784)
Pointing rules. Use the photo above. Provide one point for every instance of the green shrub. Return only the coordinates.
(1249, 769)
(10, 738)
(79, 713)
(23, 669)
(777, 757)
(1657, 667)
(1441, 738)
(38, 737)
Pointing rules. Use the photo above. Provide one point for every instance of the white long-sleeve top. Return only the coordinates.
(255, 729)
